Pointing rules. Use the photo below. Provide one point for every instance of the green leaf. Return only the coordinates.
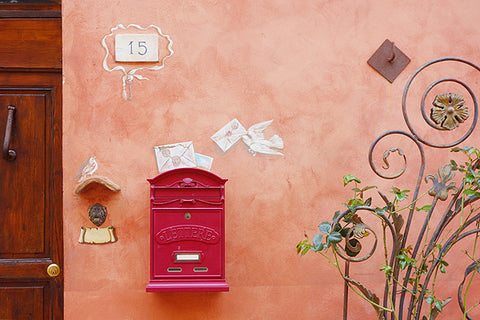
(426, 208)
(469, 179)
(386, 269)
(352, 205)
(368, 202)
(470, 193)
(334, 237)
(301, 245)
(454, 165)
(368, 188)
(305, 250)
(443, 264)
(400, 194)
(337, 213)
(438, 305)
(349, 178)
(472, 171)
(430, 299)
(325, 227)
(354, 202)
(404, 261)
(317, 242)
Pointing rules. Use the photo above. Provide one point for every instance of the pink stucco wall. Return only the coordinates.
(300, 63)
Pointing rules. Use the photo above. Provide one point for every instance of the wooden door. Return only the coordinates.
(30, 165)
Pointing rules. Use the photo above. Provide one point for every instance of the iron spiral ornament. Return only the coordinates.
(448, 112)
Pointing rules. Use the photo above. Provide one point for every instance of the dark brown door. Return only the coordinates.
(30, 165)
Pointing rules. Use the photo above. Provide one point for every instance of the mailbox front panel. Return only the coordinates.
(187, 231)
(187, 243)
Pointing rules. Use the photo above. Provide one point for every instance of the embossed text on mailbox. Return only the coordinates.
(187, 232)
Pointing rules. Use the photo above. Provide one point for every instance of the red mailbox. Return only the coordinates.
(187, 231)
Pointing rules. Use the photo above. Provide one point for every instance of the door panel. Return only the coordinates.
(31, 197)
(19, 38)
(23, 302)
(24, 222)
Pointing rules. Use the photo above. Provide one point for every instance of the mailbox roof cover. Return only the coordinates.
(170, 178)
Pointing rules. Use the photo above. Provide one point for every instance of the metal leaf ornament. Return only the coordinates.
(449, 110)
(440, 187)
(369, 295)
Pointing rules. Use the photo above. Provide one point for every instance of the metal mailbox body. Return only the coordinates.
(187, 231)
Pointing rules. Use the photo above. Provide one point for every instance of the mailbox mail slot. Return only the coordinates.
(187, 231)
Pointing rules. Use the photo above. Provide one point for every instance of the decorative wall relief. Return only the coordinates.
(176, 155)
(87, 169)
(203, 162)
(97, 214)
(180, 155)
(256, 142)
(229, 135)
(253, 138)
(135, 47)
(85, 177)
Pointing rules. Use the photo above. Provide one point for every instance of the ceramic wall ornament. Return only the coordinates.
(253, 138)
(97, 214)
(130, 75)
(86, 176)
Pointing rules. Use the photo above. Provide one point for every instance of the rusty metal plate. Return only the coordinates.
(389, 61)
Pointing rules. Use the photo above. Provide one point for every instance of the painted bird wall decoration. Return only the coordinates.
(87, 169)
(256, 142)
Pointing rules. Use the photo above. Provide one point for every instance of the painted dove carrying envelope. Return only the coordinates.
(230, 134)
(173, 156)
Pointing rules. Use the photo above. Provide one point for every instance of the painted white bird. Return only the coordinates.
(87, 169)
(256, 142)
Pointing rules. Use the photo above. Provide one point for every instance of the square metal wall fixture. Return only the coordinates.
(389, 60)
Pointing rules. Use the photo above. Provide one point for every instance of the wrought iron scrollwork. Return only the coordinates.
(449, 111)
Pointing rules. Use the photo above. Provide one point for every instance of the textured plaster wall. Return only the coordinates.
(300, 63)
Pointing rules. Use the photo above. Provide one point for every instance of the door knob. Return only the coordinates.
(53, 270)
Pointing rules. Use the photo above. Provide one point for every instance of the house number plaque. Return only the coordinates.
(136, 47)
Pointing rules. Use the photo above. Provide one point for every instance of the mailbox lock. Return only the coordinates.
(188, 215)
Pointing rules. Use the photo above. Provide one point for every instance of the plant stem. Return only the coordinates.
(361, 295)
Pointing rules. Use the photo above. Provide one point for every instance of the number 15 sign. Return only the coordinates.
(136, 48)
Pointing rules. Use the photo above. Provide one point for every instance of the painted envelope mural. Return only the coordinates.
(253, 138)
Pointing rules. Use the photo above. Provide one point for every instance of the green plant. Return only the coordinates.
(410, 269)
